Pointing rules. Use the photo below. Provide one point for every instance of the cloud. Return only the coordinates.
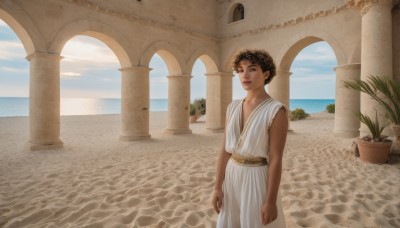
(88, 51)
(3, 24)
(12, 90)
(318, 52)
(14, 70)
(159, 80)
(69, 75)
(313, 78)
(11, 50)
(301, 70)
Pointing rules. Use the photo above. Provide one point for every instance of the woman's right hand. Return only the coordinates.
(217, 200)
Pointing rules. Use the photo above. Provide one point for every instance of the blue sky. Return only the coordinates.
(90, 69)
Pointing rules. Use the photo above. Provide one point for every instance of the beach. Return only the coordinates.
(168, 181)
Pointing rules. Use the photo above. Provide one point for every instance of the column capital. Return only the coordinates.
(43, 55)
(365, 5)
(136, 68)
(348, 66)
(220, 74)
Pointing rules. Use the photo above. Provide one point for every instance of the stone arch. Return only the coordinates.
(285, 58)
(21, 32)
(166, 53)
(356, 53)
(208, 57)
(227, 67)
(105, 33)
(236, 12)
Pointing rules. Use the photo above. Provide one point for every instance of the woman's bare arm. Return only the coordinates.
(277, 140)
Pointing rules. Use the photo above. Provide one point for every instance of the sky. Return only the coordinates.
(89, 69)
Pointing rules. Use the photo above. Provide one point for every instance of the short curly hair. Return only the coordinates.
(259, 57)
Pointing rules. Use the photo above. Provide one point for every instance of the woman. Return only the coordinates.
(250, 162)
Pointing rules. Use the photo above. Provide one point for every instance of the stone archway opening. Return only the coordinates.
(216, 88)
(90, 82)
(280, 87)
(178, 93)
(313, 82)
(14, 74)
(198, 83)
(347, 102)
(89, 78)
(158, 86)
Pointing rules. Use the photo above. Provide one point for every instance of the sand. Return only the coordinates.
(97, 181)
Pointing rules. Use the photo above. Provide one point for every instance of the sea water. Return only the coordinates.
(19, 106)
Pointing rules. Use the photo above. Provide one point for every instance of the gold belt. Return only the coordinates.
(249, 161)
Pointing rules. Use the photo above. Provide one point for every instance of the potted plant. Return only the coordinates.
(373, 148)
(193, 114)
(386, 92)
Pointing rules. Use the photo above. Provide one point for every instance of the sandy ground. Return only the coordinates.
(97, 181)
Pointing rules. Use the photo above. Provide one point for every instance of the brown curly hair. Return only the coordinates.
(259, 57)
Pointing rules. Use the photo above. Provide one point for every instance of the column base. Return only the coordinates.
(45, 145)
(130, 138)
(346, 134)
(177, 131)
(216, 129)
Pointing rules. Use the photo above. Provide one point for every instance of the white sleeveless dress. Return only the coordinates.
(245, 187)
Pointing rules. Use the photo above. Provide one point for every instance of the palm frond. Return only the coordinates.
(373, 126)
(384, 90)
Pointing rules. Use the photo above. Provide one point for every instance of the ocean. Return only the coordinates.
(19, 106)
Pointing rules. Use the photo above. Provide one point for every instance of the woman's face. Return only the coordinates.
(251, 75)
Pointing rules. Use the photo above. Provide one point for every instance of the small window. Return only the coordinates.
(237, 13)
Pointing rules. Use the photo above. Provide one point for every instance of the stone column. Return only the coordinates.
(347, 102)
(396, 45)
(376, 48)
(44, 101)
(135, 98)
(178, 104)
(279, 87)
(219, 95)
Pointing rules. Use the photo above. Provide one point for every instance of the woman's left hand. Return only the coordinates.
(269, 213)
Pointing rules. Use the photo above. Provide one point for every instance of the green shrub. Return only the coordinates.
(298, 114)
(200, 104)
(193, 110)
(330, 108)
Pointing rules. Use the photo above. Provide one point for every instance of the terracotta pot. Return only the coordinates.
(374, 152)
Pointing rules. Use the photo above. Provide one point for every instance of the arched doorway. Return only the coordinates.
(312, 82)
(218, 88)
(89, 79)
(178, 87)
(158, 92)
(198, 91)
(346, 101)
